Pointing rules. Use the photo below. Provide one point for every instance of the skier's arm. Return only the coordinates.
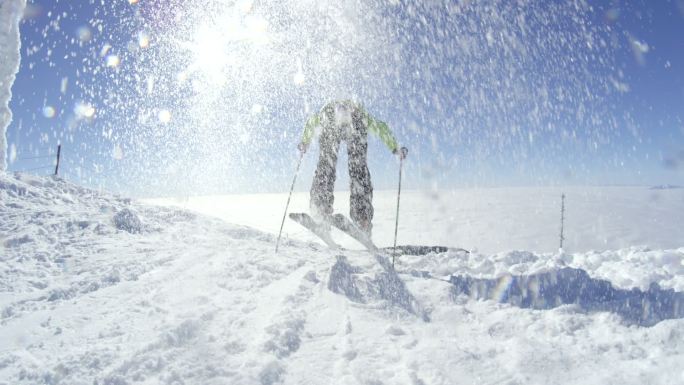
(382, 130)
(309, 128)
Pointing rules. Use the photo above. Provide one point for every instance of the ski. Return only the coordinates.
(319, 230)
(421, 250)
(345, 225)
(348, 227)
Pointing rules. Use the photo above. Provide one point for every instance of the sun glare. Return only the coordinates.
(226, 43)
(210, 53)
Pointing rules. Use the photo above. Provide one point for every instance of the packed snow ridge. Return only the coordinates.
(100, 289)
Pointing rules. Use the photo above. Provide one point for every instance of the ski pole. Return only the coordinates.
(404, 151)
(299, 163)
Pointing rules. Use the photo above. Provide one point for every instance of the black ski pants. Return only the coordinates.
(361, 199)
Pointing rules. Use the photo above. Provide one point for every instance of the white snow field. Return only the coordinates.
(489, 220)
(98, 289)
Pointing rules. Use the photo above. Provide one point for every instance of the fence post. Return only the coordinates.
(59, 150)
(562, 238)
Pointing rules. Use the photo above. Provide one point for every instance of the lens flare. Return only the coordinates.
(49, 112)
(164, 116)
(143, 39)
(84, 110)
(84, 34)
(113, 61)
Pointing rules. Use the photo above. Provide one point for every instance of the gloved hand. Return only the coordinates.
(403, 152)
(302, 147)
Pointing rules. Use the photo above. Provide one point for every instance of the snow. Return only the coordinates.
(192, 299)
(10, 14)
(490, 220)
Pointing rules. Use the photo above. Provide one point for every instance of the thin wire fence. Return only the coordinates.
(32, 166)
(37, 168)
(69, 168)
(35, 157)
(74, 169)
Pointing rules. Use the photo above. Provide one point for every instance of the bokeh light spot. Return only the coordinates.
(113, 61)
(49, 112)
(84, 34)
(164, 116)
(143, 39)
(84, 110)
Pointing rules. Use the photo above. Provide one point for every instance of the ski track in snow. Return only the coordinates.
(179, 298)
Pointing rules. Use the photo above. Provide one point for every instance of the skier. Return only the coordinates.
(345, 120)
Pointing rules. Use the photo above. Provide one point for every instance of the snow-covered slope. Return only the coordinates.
(96, 289)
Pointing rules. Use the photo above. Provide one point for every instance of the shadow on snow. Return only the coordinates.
(574, 286)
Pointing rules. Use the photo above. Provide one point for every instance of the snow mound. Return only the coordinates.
(127, 220)
(62, 240)
(634, 267)
(574, 286)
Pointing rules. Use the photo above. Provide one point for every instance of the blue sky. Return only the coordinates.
(166, 98)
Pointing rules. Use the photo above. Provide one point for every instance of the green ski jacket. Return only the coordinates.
(373, 125)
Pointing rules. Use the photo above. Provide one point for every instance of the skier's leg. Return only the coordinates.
(323, 185)
(361, 199)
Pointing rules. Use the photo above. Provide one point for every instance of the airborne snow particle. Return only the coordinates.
(105, 49)
(256, 109)
(63, 85)
(490, 37)
(620, 86)
(299, 78)
(150, 85)
(639, 49)
(117, 152)
(12, 153)
(132, 46)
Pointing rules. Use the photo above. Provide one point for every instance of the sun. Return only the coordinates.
(225, 43)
